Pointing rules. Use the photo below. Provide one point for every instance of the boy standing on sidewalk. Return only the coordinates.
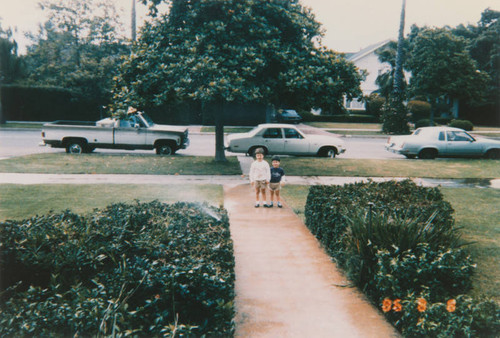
(260, 175)
(277, 180)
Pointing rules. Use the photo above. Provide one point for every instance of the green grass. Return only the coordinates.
(59, 163)
(476, 212)
(24, 201)
(440, 168)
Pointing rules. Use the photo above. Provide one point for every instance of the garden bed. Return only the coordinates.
(143, 269)
(398, 243)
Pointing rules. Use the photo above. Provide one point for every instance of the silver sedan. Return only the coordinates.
(432, 142)
(286, 139)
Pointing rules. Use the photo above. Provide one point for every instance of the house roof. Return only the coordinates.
(365, 51)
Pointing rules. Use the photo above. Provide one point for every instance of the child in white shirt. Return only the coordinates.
(260, 174)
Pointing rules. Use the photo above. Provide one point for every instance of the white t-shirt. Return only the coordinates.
(260, 171)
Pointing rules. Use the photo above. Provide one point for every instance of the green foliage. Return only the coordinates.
(461, 316)
(397, 240)
(235, 51)
(419, 109)
(422, 123)
(462, 124)
(394, 118)
(143, 269)
(441, 65)
(44, 103)
(374, 104)
(78, 48)
(348, 118)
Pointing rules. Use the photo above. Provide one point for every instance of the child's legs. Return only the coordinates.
(278, 197)
(257, 192)
(263, 192)
(272, 195)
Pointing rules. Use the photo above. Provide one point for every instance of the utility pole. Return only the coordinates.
(133, 23)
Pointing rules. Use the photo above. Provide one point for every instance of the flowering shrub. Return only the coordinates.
(399, 239)
(456, 317)
(146, 269)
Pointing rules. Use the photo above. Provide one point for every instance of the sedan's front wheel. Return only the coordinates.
(328, 152)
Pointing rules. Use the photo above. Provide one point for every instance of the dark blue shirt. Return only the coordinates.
(276, 174)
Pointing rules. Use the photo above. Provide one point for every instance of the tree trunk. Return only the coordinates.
(220, 155)
(398, 72)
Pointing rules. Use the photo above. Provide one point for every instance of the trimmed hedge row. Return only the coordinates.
(397, 242)
(144, 269)
(348, 118)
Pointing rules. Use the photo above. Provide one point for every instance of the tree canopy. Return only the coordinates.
(235, 51)
(78, 47)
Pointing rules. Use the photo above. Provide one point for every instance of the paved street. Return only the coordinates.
(24, 142)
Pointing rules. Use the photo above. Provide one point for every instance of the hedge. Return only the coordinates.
(144, 269)
(398, 243)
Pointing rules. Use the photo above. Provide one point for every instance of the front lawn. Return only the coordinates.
(476, 211)
(440, 168)
(62, 163)
(24, 201)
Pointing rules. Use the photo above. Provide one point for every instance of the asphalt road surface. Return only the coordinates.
(15, 142)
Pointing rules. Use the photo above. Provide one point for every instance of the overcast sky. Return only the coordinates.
(350, 24)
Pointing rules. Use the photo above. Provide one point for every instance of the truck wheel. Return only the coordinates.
(75, 147)
(164, 149)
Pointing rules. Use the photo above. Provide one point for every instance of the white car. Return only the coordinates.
(432, 142)
(286, 139)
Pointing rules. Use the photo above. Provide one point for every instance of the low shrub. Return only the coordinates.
(419, 109)
(422, 123)
(347, 118)
(394, 239)
(462, 124)
(461, 316)
(144, 269)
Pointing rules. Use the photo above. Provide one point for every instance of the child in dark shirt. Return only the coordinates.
(277, 180)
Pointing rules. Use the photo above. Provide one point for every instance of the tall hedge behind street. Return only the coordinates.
(142, 269)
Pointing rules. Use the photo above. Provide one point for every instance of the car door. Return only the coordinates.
(459, 143)
(273, 140)
(131, 131)
(295, 142)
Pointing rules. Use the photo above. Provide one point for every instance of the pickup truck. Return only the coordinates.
(134, 131)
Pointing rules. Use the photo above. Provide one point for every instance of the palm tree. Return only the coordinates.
(398, 73)
(133, 27)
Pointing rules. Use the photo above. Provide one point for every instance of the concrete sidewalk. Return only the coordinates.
(28, 178)
(286, 285)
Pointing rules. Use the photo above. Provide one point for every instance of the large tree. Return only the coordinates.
(441, 66)
(10, 66)
(483, 44)
(78, 47)
(217, 52)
